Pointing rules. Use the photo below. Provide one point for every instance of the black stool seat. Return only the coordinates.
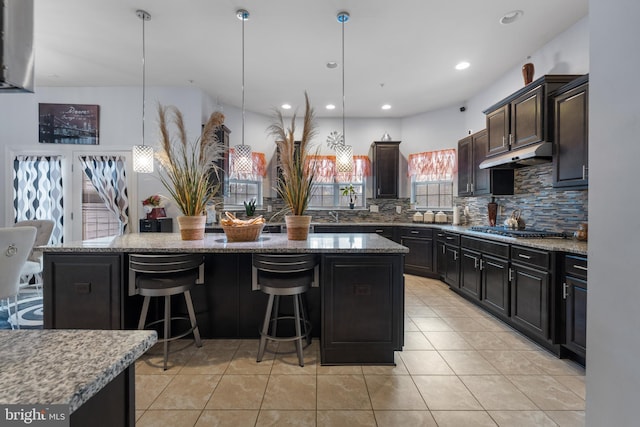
(285, 275)
(164, 276)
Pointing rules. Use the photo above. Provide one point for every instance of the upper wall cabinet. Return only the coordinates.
(525, 117)
(385, 160)
(571, 138)
(472, 181)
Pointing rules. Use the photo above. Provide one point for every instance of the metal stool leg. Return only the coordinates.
(192, 317)
(265, 329)
(296, 309)
(145, 310)
(307, 329)
(274, 317)
(167, 327)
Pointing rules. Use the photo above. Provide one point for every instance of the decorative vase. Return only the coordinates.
(492, 208)
(192, 227)
(156, 213)
(297, 226)
(352, 205)
(527, 73)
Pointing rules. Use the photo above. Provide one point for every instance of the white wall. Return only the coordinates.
(613, 320)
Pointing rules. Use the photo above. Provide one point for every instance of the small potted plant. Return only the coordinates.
(187, 168)
(351, 192)
(154, 206)
(250, 207)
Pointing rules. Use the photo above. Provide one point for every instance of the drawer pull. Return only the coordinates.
(579, 267)
(524, 256)
(415, 232)
(379, 231)
(449, 238)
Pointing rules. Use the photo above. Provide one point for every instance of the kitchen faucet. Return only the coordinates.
(334, 215)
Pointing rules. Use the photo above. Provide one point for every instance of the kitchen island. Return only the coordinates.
(357, 308)
(89, 374)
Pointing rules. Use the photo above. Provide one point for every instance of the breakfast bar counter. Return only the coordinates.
(357, 308)
(88, 373)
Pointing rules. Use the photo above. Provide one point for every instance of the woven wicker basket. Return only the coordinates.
(244, 233)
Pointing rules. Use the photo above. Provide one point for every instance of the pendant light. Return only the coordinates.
(242, 161)
(344, 153)
(143, 154)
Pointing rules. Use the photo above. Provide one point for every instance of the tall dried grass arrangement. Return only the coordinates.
(296, 184)
(187, 168)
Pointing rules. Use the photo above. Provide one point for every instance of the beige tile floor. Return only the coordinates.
(460, 367)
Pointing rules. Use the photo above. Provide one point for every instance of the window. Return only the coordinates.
(432, 175)
(330, 184)
(243, 187)
(97, 220)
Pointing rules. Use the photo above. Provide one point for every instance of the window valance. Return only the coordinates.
(438, 165)
(326, 171)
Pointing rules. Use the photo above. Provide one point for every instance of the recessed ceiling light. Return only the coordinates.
(462, 65)
(511, 17)
(332, 64)
(286, 106)
(330, 107)
(386, 107)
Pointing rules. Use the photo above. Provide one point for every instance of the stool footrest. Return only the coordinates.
(289, 338)
(173, 337)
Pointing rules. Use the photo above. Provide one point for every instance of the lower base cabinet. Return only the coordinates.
(419, 260)
(363, 309)
(495, 285)
(529, 300)
(574, 293)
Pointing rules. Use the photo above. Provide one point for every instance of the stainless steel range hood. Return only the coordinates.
(16, 46)
(526, 156)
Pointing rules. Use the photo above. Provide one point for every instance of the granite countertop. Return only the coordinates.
(352, 243)
(65, 367)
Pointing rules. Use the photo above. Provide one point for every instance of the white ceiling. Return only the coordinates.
(400, 52)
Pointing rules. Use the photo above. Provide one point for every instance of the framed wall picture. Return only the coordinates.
(68, 124)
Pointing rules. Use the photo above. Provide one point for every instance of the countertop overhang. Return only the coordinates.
(65, 367)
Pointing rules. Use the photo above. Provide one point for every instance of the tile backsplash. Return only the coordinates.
(542, 206)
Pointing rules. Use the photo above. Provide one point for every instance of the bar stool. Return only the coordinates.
(285, 275)
(164, 276)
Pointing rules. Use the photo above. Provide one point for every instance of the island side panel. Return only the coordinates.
(362, 308)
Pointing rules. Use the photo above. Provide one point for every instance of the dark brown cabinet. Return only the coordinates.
(362, 309)
(525, 117)
(574, 293)
(448, 257)
(84, 291)
(385, 160)
(420, 258)
(484, 273)
(223, 137)
(571, 140)
(531, 291)
(472, 150)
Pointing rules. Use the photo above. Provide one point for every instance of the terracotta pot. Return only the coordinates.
(192, 227)
(527, 73)
(297, 226)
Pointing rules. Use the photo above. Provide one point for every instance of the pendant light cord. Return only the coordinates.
(144, 76)
(243, 19)
(343, 97)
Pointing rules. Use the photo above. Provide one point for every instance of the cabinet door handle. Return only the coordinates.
(475, 263)
(481, 264)
(565, 290)
(584, 171)
(444, 249)
(503, 141)
(524, 256)
(510, 274)
(579, 267)
(510, 139)
(472, 187)
(378, 191)
(468, 185)
(455, 255)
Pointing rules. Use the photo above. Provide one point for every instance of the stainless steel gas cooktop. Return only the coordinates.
(530, 233)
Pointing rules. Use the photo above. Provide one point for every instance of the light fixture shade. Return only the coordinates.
(344, 158)
(143, 158)
(242, 161)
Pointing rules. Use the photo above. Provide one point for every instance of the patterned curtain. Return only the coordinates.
(433, 165)
(37, 191)
(259, 167)
(326, 171)
(107, 174)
